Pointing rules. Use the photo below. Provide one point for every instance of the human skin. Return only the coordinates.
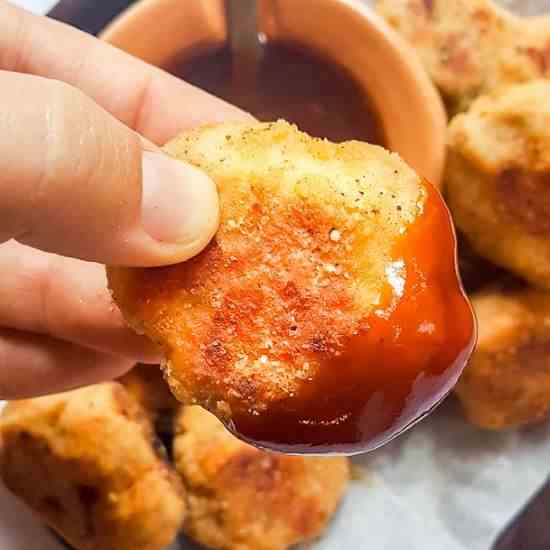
(81, 184)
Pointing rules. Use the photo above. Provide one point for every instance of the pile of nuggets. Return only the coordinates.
(493, 71)
(91, 464)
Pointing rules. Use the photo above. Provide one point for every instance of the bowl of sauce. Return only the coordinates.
(293, 83)
(332, 67)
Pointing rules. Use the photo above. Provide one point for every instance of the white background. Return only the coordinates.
(39, 6)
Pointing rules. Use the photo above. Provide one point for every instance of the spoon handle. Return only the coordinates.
(244, 42)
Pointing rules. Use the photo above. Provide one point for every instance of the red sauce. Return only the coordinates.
(294, 84)
(402, 362)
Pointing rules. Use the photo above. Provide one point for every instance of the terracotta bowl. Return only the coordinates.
(345, 31)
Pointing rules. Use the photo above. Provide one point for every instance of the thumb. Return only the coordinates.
(77, 182)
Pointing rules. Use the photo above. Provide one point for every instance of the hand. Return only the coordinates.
(80, 177)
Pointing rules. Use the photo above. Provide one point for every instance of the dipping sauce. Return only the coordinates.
(293, 83)
(401, 363)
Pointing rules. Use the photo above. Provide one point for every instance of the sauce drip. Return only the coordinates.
(293, 83)
(405, 358)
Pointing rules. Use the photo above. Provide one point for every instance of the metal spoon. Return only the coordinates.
(244, 41)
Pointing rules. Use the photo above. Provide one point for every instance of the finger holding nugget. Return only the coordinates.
(80, 176)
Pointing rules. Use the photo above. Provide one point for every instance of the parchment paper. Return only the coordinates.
(444, 485)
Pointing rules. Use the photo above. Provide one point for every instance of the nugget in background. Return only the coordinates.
(471, 47)
(241, 498)
(86, 463)
(498, 178)
(507, 382)
(328, 289)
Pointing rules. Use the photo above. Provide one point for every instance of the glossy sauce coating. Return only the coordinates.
(294, 84)
(401, 363)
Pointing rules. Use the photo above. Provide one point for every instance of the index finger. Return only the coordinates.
(147, 99)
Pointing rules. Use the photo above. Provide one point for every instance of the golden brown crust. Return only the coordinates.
(301, 255)
(507, 382)
(471, 47)
(85, 462)
(241, 498)
(498, 178)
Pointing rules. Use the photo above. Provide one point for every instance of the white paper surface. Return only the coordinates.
(444, 485)
(38, 6)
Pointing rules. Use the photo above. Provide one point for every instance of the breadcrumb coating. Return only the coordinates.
(86, 462)
(241, 498)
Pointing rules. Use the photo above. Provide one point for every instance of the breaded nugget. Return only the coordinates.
(471, 47)
(85, 462)
(507, 381)
(498, 178)
(146, 384)
(328, 289)
(241, 498)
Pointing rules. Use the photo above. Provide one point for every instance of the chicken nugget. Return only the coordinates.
(471, 47)
(498, 178)
(86, 463)
(507, 381)
(328, 292)
(241, 498)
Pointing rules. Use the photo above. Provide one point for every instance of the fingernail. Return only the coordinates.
(179, 203)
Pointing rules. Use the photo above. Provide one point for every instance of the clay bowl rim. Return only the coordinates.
(432, 116)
